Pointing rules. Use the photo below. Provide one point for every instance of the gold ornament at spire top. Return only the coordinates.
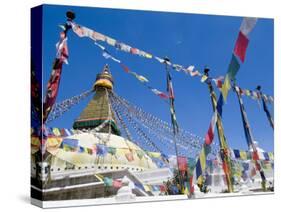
(104, 79)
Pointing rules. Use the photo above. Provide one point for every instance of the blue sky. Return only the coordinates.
(187, 39)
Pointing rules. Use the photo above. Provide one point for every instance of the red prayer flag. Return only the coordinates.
(162, 188)
(52, 89)
(255, 155)
(241, 46)
(129, 156)
(182, 162)
(191, 185)
(209, 136)
(134, 50)
(117, 183)
(125, 68)
(211, 131)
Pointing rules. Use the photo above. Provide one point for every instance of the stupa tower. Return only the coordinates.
(99, 108)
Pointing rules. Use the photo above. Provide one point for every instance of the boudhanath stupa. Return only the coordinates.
(77, 174)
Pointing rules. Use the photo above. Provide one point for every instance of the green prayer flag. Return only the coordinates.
(233, 67)
(108, 181)
(112, 150)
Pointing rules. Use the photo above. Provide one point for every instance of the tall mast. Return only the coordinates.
(224, 150)
(249, 137)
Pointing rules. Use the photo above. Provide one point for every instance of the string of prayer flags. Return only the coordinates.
(54, 81)
(140, 78)
(256, 96)
(82, 31)
(239, 51)
(249, 155)
(240, 48)
(52, 88)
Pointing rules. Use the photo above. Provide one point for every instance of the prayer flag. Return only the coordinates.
(243, 155)
(247, 25)
(110, 41)
(204, 78)
(241, 46)
(101, 149)
(129, 156)
(233, 67)
(134, 51)
(125, 68)
(226, 87)
(108, 181)
(236, 153)
(160, 94)
(211, 131)
(112, 150)
(117, 183)
(70, 142)
(182, 163)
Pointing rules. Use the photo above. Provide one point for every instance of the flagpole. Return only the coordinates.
(249, 136)
(166, 61)
(268, 115)
(224, 150)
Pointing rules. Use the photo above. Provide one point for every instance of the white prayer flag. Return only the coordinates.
(247, 25)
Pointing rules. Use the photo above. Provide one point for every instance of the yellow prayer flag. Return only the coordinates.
(56, 131)
(202, 159)
(204, 78)
(146, 188)
(147, 55)
(243, 155)
(226, 87)
(271, 157)
(154, 154)
(247, 92)
(35, 141)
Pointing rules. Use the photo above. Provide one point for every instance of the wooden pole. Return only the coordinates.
(174, 127)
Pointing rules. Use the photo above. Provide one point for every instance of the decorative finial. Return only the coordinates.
(206, 70)
(70, 15)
